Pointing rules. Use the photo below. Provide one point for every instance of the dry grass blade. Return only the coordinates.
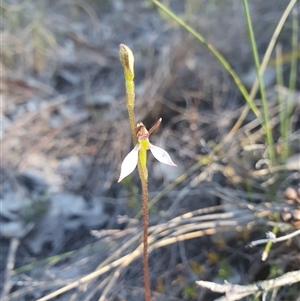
(273, 239)
(14, 243)
(188, 226)
(237, 292)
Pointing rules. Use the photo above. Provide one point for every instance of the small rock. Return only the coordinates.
(296, 214)
(293, 162)
(290, 193)
(286, 216)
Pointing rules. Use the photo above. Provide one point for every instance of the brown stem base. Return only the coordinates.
(145, 240)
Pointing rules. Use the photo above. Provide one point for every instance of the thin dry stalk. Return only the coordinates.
(172, 233)
(237, 292)
(13, 247)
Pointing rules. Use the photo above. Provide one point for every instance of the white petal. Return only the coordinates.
(129, 164)
(161, 155)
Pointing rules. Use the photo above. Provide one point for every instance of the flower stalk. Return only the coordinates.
(127, 60)
(138, 156)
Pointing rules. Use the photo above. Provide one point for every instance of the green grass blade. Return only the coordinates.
(292, 85)
(266, 119)
(279, 80)
(263, 66)
(217, 54)
(271, 45)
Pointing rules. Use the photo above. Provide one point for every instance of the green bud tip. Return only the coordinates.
(127, 59)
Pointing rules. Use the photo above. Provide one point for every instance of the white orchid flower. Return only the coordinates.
(131, 160)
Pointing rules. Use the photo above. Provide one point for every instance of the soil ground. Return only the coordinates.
(66, 132)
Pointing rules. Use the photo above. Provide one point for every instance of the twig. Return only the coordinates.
(236, 292)
(13, 247)
(272, 238)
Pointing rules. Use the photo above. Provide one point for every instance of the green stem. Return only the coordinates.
(266, 121)
(279, 76)
(268, 246)
(127, 60)
(292, 85)
(132, 123)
